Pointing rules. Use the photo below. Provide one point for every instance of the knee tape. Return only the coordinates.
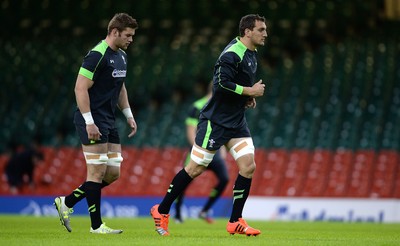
(114, 159)
(200, 156)
(242, 148)
(95, 158)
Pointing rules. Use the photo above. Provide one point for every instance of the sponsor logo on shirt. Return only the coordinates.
(119, 73)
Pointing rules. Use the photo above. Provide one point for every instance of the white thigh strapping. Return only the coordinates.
(242, 148)
(200, 156)
(95, 158)
(114, 159)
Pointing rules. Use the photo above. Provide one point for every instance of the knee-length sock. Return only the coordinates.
(93, 198)
(241, 191)
(78, 194)
(177, 186)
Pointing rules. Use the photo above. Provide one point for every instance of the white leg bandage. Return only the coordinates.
(95, 158)
(200, 156)
(242, 148)
(114, 159)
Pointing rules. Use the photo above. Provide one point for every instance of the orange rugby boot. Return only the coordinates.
(160, 220)
(241, 227)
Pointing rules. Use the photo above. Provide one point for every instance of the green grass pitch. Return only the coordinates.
(28, 230)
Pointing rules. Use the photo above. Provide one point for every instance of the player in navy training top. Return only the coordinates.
(222, 122)
(99, 90)
(235, 68)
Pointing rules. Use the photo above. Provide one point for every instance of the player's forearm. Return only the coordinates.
(248, 91)
(123, 101)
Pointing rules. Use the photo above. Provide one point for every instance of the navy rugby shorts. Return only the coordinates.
(109, 134)
(211, 136)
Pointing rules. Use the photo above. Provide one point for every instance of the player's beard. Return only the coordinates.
(123, 46)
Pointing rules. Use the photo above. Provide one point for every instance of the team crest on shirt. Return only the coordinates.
(211, 143)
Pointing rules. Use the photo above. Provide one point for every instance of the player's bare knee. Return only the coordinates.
(251, 168)
(113, 166)
(96, 165)
(112, 174)
(246, 165)
(247, 169)
(193, 169)
(111, 178)
(95, 174)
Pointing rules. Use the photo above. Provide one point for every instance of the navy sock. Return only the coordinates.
(78, 194)
(177, 186)
(241, 191)
(93, 198)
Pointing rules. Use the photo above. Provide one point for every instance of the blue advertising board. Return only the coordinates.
(110, 206)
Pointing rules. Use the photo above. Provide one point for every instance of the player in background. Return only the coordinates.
(99, 91)
(222, 122)
(217, 165)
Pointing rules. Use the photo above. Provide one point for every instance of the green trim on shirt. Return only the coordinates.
(86, 73)
(239, 89)
(238, 48)
(101, 47)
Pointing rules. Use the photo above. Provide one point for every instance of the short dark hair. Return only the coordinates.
(249, 22)
(122, 21)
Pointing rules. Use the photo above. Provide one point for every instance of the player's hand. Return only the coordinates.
(132, 124)
(258, 89)
(93, 132)
(251, 103)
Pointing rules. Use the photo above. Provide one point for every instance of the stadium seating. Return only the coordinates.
(297, 173)
(385, 177)
(316, 176)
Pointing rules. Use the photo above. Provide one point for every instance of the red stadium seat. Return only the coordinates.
(384, 175)
(271, 165)
(339, 174)
(316, 176)
(293, 179)
(361, 175)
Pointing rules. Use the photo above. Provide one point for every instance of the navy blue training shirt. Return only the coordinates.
(235, 68)
(107, 69)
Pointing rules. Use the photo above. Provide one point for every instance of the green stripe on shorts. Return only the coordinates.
(207, 136)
